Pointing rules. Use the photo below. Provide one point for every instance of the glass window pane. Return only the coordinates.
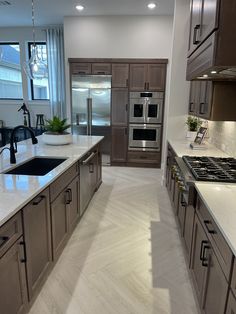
(40, 89)
(10, 71)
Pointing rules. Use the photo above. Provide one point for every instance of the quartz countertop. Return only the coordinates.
(220, 200)
(17, 190)
(181, 148)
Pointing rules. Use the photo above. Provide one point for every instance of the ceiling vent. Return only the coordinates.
(5, 3)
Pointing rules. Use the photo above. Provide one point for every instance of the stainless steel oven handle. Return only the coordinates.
(84, 162)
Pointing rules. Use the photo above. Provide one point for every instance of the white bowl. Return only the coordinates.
(57, 139)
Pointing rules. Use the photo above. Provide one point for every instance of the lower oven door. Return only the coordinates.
(145, 137)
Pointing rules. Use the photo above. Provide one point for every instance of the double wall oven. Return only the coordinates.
(145, 120)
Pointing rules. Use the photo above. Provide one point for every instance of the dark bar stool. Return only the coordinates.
(40, 126)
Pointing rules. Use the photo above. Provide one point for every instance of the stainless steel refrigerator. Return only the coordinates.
(91, 107)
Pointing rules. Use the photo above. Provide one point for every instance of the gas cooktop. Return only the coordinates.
(212, 168)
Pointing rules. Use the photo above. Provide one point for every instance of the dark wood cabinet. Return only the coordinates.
(150, 77)
(181, 213)
(119, 144)
(200, 241)
(13, 288)
(81, 68)
(212, 49)
(99, 168)
(119, 113)
(120, 75)
(73, 208)
(231, 304)
(101, 68)
(207, 100)
(215, 290)
(37, 235)
(188, 229)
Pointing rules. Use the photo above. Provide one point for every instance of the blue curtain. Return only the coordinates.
(56, 71)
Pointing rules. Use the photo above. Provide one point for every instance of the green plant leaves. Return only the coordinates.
(56, 125)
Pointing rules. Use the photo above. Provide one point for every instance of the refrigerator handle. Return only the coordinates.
(89, 116)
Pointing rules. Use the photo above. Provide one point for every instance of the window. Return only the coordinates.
(10, 71)
(39, 88)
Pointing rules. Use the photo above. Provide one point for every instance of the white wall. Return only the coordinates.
(8, 108)
(116, 37)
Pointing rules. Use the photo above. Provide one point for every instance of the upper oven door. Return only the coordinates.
(137, 110)
(153, 110)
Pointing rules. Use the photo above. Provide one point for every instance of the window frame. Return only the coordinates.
(30, 43)
(14, 43)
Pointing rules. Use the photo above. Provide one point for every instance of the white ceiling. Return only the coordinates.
(49, 12)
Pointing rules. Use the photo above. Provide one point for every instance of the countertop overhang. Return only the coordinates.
(18, 190)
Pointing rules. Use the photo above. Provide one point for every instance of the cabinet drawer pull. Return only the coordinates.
(201, 111)
(201, 250)
(23, 260)
(68, 196)
(81, 72)
(91, 168)
(3, 240)
(195, 34)
(148, 86)
(204, 259)
(207, 223)
(84, 162)
(38, 200)
(101, 72)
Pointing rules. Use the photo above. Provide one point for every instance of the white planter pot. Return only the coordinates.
(191, 135)
(57, 139)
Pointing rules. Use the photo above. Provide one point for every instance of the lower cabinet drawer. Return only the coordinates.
(144, 157)
(10, 232)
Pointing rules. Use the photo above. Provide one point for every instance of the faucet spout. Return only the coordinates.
(12, 149)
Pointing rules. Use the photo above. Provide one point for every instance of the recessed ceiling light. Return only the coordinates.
(151, 5)
(205, 75)
(213, 72)
(79, 7)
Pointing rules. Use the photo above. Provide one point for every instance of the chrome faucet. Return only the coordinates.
(14, 150)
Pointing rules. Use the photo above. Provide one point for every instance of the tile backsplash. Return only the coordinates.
(223, 135)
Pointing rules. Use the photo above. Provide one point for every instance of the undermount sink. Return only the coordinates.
(38, 166)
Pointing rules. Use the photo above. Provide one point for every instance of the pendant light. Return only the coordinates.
(35, 68)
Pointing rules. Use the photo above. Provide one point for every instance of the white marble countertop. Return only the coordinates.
(181, 148)
(17, 190)
(220, 200)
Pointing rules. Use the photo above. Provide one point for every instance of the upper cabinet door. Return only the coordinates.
(156, 77)
(81, 68)
(195, 24)
(101, 68)
(209, 18)
(138, 74)
(120, 75)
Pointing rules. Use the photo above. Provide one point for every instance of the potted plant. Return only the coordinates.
(56, 132)
(193, 124)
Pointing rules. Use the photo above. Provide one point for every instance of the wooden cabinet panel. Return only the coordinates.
(119, 107)
(59, 223)
(181, 211)
(73, 203)
(144, 157)
(156, 77)
(120, 75)
(37, 234)
(188, 229)
(209, 18)
(119, 144)
(205, 100)
(216, 287)
(13, 290)
(10, 232)
(99, 168)
(101, 68)
(199, 272)
(138, 74)
(231, 305)
(233, 280)
(81, 68)
(195, 23)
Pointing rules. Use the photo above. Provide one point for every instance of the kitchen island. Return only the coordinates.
(39, 213)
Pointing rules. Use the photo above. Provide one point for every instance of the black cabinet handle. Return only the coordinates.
(195, 33)
(148, 86)
(3, 240)
(23, 260)
(81, 72)
(91, 168)
(204, 259)
(126, 107)
(207, 223)
(201, 111)
(101, 72)
(38, 200)
(201, 250)
(68, 196)
(191, 106)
